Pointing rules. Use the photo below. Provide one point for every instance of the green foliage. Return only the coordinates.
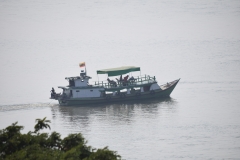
(72, 140)
(35, 152)
(38, 146)
(54, 140)
(41, 124)
(80, 151)
(105, 154)
(10, 139)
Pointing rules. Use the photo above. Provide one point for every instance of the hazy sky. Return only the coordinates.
(44, 41)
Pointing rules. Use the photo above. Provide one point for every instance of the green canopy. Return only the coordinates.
(118, 71)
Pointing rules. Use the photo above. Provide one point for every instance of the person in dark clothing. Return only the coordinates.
(53, 93)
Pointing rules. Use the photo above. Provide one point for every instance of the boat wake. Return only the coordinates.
(14, 107)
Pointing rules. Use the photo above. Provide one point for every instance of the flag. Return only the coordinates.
(82, 64)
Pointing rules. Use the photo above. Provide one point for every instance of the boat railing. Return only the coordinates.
(139, 80)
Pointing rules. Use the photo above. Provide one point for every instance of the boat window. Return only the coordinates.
(91, 90)
(71, 82)
(77, 90)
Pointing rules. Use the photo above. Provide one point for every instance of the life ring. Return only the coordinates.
(138, 94)
(122, 95)
(152, 92)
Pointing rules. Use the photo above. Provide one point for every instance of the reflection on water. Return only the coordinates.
(68, 119)
(105, 120)
(117, 112)
(155, 128)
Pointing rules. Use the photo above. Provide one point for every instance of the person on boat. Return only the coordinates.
(112, 82)
(53, 93)
(119, 80)
(125, 79)
(132, 79)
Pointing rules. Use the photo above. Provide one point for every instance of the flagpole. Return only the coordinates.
(98, 79)
(85, 69)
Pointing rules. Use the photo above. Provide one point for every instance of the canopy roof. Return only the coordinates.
(118, 71)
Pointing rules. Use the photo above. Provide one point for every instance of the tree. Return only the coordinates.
(105, 154)
(72, 140)
(54, 140)
(41, 124)
(9, 138)
(32, 146)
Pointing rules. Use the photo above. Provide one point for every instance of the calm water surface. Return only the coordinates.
(41, 43)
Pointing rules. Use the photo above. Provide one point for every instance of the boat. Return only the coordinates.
(121, 88)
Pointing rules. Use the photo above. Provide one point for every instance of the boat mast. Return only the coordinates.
(83, 64)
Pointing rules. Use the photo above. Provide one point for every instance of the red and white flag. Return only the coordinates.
(82, 64)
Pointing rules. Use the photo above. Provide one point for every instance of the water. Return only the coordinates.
(43, 42)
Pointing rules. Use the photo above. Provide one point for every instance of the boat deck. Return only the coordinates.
(134, 82)
(169, 84)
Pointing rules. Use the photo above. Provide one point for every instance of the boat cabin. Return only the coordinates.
(79, 86)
